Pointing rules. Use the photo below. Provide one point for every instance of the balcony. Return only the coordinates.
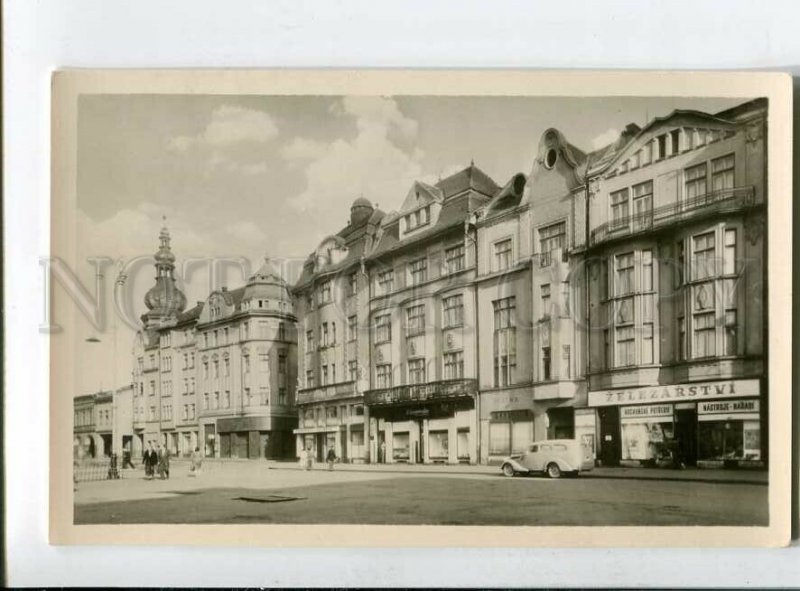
(443, 390)
(326, 393)
(722, 201)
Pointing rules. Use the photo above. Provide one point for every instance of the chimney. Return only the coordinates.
(224, 288)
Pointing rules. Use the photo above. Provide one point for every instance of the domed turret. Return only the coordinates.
(266, 284)
(360, 211)
(164, 300)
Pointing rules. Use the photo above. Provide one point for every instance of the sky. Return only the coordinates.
(254, 176)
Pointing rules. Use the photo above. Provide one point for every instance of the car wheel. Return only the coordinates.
(553, 471)
(508, 470)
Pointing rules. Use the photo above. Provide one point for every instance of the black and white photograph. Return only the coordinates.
(416, 309)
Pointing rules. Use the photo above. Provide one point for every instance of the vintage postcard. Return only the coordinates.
(420, 308)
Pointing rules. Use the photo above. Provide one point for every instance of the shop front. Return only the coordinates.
(254, 437)
(705, 424)
(425, 423)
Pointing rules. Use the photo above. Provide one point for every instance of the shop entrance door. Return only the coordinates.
(609, 436)
(686, 435)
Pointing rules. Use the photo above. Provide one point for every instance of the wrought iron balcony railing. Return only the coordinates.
(442, 390)
(715, 202)
(324, 393)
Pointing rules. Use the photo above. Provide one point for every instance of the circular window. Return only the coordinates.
(550, 158)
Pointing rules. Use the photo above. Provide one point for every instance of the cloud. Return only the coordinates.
(229, 125)
(301, 149)
(380, 162)
(605, 138)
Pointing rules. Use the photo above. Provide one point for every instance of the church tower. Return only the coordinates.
(164, 301)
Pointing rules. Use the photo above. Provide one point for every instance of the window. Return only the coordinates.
(283, 397)
(282, 365)
(681, 338)
(704, 335)
(152, 387)
(419, 271)
(566, 361)
(333, 333)
(619, 208)
(205, 401)
(505, 341)
(565, 297)
(263, 395)
(352, 370)
(416, 371)
(454, 259)
(216, 399)
(647, 343)
(453, 311)
(383, 375)
(352, 328)
(662, 146)
(309, 378)
(325, 293)
(245, 331)
(418, 218)
(730, 332)
(454, 365)
(333, 373)
(247, 399)
(551, 238)
(729, 254)
(185, 412)
(647, 270)
(281, 331)
(625, 346)
(309, 340)
(502, 255)
(263, 361)
(609, 362)
(680, 262)
(383, 328)
(215, 365)
(352, 284)
(324, 375)
(675, 140)
(227, 399)
(415, 320)
(246, 363)
(227, 366)
(722, 173)
(546, 363)
(695, 181)
(703, 265)
(545, 294)
(386, 280)
(624, 274)
(323, 339)
(225, 335)
(643, 205)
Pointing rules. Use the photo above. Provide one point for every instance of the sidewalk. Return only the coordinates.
(722, 476)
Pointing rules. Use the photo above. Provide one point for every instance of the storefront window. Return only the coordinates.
(499, 439)
(647, 432)
(462, 444)
(729, 440)
(356, 444)
(400, 446)
(438, 444)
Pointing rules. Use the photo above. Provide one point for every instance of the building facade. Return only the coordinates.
(677, 296)
(423, 340)
(220, 376)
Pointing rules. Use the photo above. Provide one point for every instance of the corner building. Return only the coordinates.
(332, 302)
(220, 376)
(677, 291)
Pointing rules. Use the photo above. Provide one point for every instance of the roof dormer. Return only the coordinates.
(420, 208)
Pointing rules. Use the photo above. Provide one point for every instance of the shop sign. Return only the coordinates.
(728, 406)
(675, 393)
(417, 412)
(638, 412)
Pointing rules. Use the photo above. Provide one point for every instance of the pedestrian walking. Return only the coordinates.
(126, 457)
(163, 462)
(331, 459)
(197, 463)
(383, 452)
(149, 459)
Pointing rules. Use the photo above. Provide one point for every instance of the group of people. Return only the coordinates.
(307, 458)
(156, 460)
